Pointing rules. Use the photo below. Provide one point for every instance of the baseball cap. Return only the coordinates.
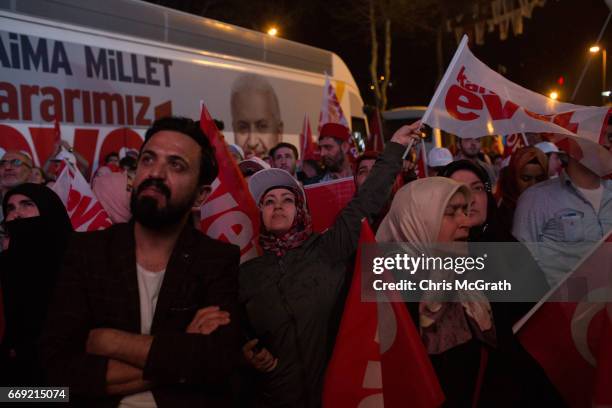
(547, 147)
(264, 180)
(439, 157)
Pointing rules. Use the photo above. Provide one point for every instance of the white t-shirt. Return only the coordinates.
(594, 196)
(149, 285)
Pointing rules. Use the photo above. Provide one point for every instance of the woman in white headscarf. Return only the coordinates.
(435, 210)
(461, 338)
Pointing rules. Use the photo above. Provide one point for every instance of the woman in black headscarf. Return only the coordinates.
(38, 228)
(510, 370)
(483, 211)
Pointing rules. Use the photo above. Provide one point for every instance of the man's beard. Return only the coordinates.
(469, 155)
(289, 169)
(11, 181)
(146, 212)
(334, 164)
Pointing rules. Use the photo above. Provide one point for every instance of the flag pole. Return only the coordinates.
(445, 78)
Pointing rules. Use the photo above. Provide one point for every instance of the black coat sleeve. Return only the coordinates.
(67, 328)
(340, 241)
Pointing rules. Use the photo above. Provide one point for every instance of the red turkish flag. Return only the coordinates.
(602, 395)
(327, 199)
(229, 213)
(378, 357)
(307, 145)
(567, 338)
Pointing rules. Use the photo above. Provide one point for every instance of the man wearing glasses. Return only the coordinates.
(15, 169)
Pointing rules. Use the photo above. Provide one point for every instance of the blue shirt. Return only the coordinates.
(559, 225)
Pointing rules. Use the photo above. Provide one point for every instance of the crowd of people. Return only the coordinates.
(151, 312)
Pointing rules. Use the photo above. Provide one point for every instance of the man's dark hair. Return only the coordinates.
(209, 169)
(109, 156)
(129, 162)
(288, 146)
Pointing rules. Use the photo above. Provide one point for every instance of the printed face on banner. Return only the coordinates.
(256, 116)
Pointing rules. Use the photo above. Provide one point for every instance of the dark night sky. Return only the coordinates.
(554, 43)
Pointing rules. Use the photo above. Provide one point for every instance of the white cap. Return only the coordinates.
(547, 147)
(438, 157)
(264, 180)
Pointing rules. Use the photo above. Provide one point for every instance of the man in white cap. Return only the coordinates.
(554, 161)
(437, 158)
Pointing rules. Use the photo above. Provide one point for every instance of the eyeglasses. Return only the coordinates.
(13, 163)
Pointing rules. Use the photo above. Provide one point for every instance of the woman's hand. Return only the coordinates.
(262, 360)
(407, 133)
(208, 319)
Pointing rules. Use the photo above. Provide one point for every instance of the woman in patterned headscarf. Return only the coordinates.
(292, 291)
(528, 166)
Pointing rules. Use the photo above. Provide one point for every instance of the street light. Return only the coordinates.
(554, 95)
(273, 31)
(604, 56)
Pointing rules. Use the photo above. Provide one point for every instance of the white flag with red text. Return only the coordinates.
(85, 211)
(331, 111)
(472, 100)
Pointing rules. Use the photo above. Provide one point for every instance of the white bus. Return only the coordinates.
(106, 69)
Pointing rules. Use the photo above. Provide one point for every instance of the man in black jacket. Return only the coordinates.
(145, 313)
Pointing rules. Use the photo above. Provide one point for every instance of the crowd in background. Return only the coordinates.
(274, 317)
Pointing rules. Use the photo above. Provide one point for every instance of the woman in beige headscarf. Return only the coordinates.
(424, 212)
